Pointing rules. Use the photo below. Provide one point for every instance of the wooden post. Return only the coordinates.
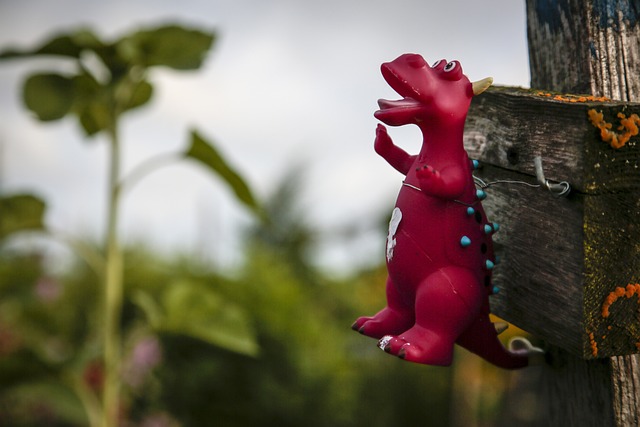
(571, 265)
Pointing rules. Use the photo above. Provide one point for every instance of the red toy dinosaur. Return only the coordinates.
(439, 247)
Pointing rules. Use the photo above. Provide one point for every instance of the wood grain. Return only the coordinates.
(578, 46)
(562, 256)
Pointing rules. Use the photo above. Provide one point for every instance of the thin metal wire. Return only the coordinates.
(483, 184)
(558, 189)
(411, 186)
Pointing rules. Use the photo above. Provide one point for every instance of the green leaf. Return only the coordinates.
(70, 45)
(199, 312)
(94, 118)
(172, 46)
(91, 104)
(140, 94)
(204, 152)
(20, 212)
(49, 96)
(86, 89)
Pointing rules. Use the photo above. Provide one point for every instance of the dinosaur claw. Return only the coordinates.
(357, 327)
(402, 354)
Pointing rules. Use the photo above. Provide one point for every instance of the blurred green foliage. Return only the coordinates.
(20, 212)
(111, 77)
(310, 369)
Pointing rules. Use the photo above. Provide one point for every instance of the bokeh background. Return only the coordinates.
(287, 93)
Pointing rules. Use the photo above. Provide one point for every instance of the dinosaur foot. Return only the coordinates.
(386, 322)
(420, 346)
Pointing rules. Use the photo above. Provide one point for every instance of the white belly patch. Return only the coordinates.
(396, 216)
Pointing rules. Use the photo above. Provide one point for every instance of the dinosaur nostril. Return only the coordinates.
(416, 61)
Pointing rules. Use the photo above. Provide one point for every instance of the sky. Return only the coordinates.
(287, 83)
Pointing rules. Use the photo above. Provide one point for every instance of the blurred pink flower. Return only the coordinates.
(47, 289)
(145, 356)
(159, 420)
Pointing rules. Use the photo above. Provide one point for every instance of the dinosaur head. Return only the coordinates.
(438, 93)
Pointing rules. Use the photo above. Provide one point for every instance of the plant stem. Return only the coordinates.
(87, 397)
(113, 281)
(145, 168)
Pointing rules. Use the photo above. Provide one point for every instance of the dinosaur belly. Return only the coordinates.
(415, 244)
(427, 234)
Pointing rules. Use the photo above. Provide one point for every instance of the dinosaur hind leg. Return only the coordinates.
(396, 317)
(446, 303)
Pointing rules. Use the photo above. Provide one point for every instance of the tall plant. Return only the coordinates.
(110, 79)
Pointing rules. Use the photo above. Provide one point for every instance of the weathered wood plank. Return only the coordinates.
(578, 392)
(600, 40)
(508, 127)
(529, 243)
(562, 256)
(626, 389)
(578, 46)
(557, 33)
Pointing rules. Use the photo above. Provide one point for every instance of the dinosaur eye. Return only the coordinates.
(435, 64)
(450, 66)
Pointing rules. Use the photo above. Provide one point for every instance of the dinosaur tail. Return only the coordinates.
(481, 338)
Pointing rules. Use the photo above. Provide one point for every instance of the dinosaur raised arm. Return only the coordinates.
(394, 155)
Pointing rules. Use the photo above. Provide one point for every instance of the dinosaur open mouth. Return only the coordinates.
(402, 111)
(407, 102)
(392, 111)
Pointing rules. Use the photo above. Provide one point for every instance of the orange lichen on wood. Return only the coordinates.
(573, 98)
(629, 126)
(594, 344)
(619, 292)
